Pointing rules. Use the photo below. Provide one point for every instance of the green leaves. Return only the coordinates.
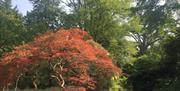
(45, 12)
(135, 25)
(11, 29)
(104, 20)
(151, 22)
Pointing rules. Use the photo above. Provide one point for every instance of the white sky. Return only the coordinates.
(22, 5)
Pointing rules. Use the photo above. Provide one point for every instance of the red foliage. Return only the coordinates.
(74, 45)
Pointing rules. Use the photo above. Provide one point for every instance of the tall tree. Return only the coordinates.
(11, 26)
(5, 4)
(99, 17)
(46, 15)
(153, 19)
(151, 25)
(172, 52)
(104, 20)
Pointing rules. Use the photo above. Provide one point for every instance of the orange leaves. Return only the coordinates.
(74, 46)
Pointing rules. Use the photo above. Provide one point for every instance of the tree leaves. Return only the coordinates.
(73, 55)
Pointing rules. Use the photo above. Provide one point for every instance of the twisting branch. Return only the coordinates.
(58, 75)
(35, 85)
(136, 36)
(61, 77)
(17, 81)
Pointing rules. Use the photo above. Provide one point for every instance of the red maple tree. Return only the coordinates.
(80, 60)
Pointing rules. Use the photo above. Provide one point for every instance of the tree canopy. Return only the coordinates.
(74, 59)
(91, 45)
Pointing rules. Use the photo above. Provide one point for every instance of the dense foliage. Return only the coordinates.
(46, 15)
(151, 22)
(11, 27)
(75, 58)
(141, 36)
(104, 21)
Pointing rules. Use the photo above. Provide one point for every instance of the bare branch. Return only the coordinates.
(17, 81)
(58, 75)
(137, 37)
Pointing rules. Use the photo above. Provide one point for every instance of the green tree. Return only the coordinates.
(172, 51)
(46, 15)
(105, 21)
(152, 24)
(11, 26)
(152, 21)
(101, 18)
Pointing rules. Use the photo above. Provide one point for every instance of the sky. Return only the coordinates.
(22, 5)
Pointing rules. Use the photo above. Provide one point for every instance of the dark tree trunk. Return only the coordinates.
(142, 49)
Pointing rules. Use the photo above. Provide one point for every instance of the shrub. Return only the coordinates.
(69, 57)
